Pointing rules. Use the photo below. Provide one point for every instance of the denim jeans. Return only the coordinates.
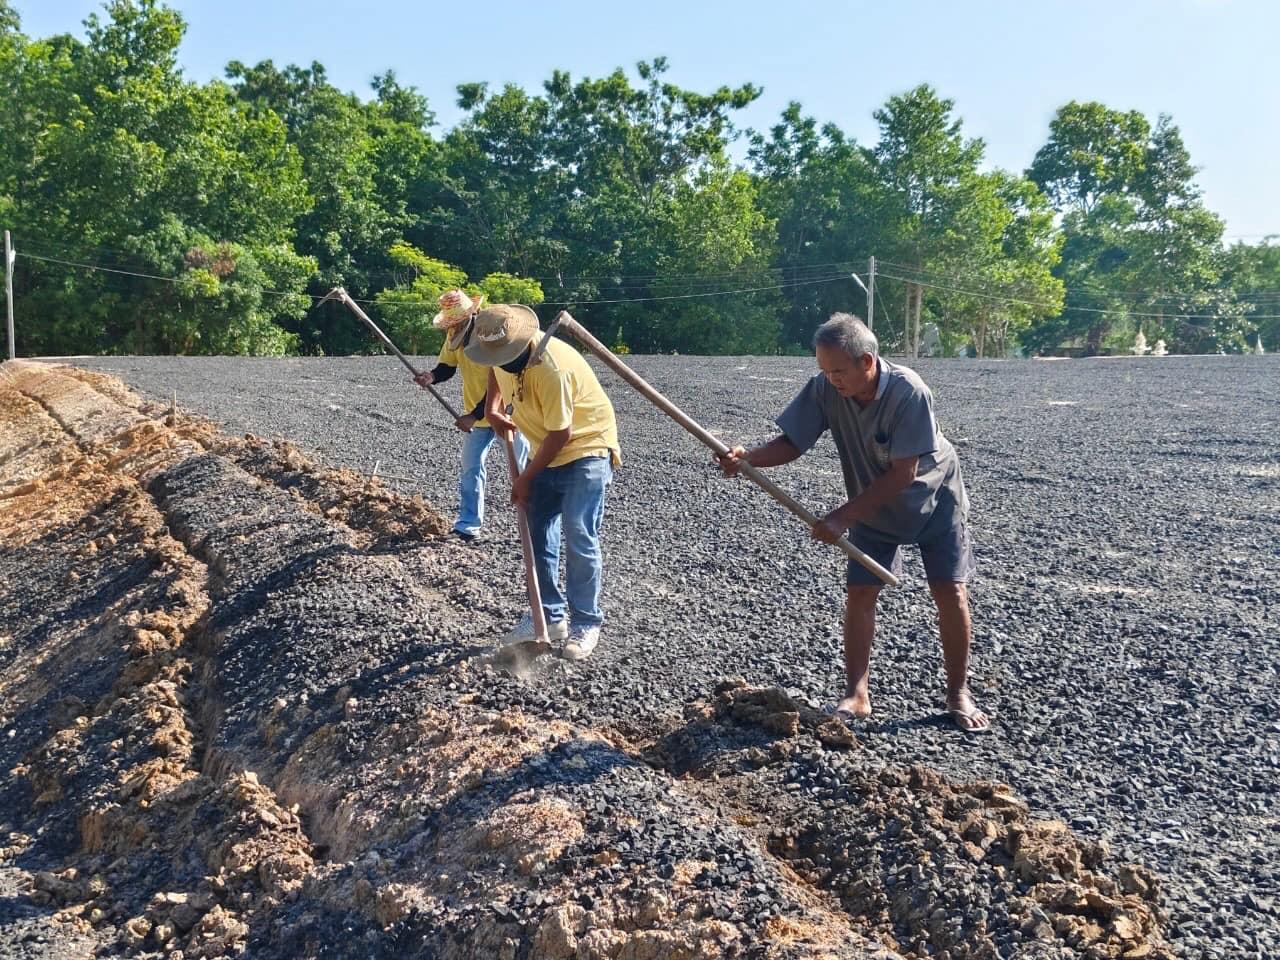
(569, 499)
(471, 482)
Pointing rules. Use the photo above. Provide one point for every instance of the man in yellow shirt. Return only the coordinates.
(558, 403)
(457, 311)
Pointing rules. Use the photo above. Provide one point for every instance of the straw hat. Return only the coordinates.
(501, 333)
(458, 336)
(455, 308)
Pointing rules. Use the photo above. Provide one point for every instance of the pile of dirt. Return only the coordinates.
(236, 722)
(935, 865)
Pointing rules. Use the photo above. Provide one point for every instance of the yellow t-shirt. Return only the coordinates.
(475, 378)
(562, 391)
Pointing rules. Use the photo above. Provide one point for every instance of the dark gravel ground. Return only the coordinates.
(28, 933)
(1127, 518)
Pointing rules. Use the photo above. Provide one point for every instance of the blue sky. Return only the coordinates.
(1007, 65)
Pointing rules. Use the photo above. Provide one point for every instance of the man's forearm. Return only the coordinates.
(547, 451)
(492, 397)
(883, 489)
(775, 453)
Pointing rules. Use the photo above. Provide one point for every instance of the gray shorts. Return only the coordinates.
(945, 548)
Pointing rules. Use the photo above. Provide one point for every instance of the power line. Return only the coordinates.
(415, 303)
(130, 264)
(690, 296)
(148, 276)
(808, 281)
(1055, 307)
(613, 278)
(1136, 295)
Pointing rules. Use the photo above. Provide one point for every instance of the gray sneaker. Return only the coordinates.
(582, 640)
(522, 632)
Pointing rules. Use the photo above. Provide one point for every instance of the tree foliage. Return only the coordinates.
(121, 155)
(152, 213)
(409, 307)
(1140, 251)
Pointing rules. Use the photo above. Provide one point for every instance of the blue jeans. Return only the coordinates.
(570, 499)
(471, 482)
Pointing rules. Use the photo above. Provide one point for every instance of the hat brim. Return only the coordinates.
(495, 355)
(442, 321)
(458, 335)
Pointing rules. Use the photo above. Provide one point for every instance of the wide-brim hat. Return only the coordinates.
(455, 308)
(501, 333)
(457, 336)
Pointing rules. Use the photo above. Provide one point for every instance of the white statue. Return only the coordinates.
(1159, 349)
(1258, 349)
(1140, 347)
(931, 341)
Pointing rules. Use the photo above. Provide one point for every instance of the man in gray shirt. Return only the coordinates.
(904, 486)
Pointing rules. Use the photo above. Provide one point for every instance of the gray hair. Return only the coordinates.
(849, 334)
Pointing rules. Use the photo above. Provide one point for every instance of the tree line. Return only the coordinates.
(153, 214)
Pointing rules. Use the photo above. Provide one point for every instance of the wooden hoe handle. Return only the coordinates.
(338, 293)
(566, 322)
(526, 545)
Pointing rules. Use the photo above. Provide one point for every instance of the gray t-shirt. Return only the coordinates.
(897, 424)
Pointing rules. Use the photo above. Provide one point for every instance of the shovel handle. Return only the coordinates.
(717, 446)
(342, 295)
(526, 545)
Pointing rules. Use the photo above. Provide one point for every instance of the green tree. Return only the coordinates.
(128, 161)
(1092, 153)
(17, 132)
(224, 301)
(952, 238)
(929, 171)
(578, 186)
(1251, 275)
(1177, 253)
(715, 227)
(496, 203)
(822, 192)
(1006, 264)
(361, 162)
(508, 288)
(1141, 252)
(409, 307)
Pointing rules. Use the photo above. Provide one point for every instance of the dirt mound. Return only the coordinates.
(241, 717)
(931, 864)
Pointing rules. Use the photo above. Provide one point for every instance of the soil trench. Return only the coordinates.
(242, 712)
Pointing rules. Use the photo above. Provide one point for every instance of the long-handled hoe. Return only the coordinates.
(566, 322)
(541, 643)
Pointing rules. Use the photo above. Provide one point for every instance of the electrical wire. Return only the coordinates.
(1141, 297)
(145, 276)
(416, 303)
(113, 260)
(807, 281)
(1049, 306)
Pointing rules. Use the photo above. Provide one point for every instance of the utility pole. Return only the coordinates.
(9, 257)
(871, 294)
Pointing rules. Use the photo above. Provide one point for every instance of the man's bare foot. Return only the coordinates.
(856, 706)
(965, 713)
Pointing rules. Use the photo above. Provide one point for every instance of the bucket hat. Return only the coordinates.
(501, 333)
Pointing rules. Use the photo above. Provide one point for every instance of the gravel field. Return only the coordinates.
(1127, 520)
